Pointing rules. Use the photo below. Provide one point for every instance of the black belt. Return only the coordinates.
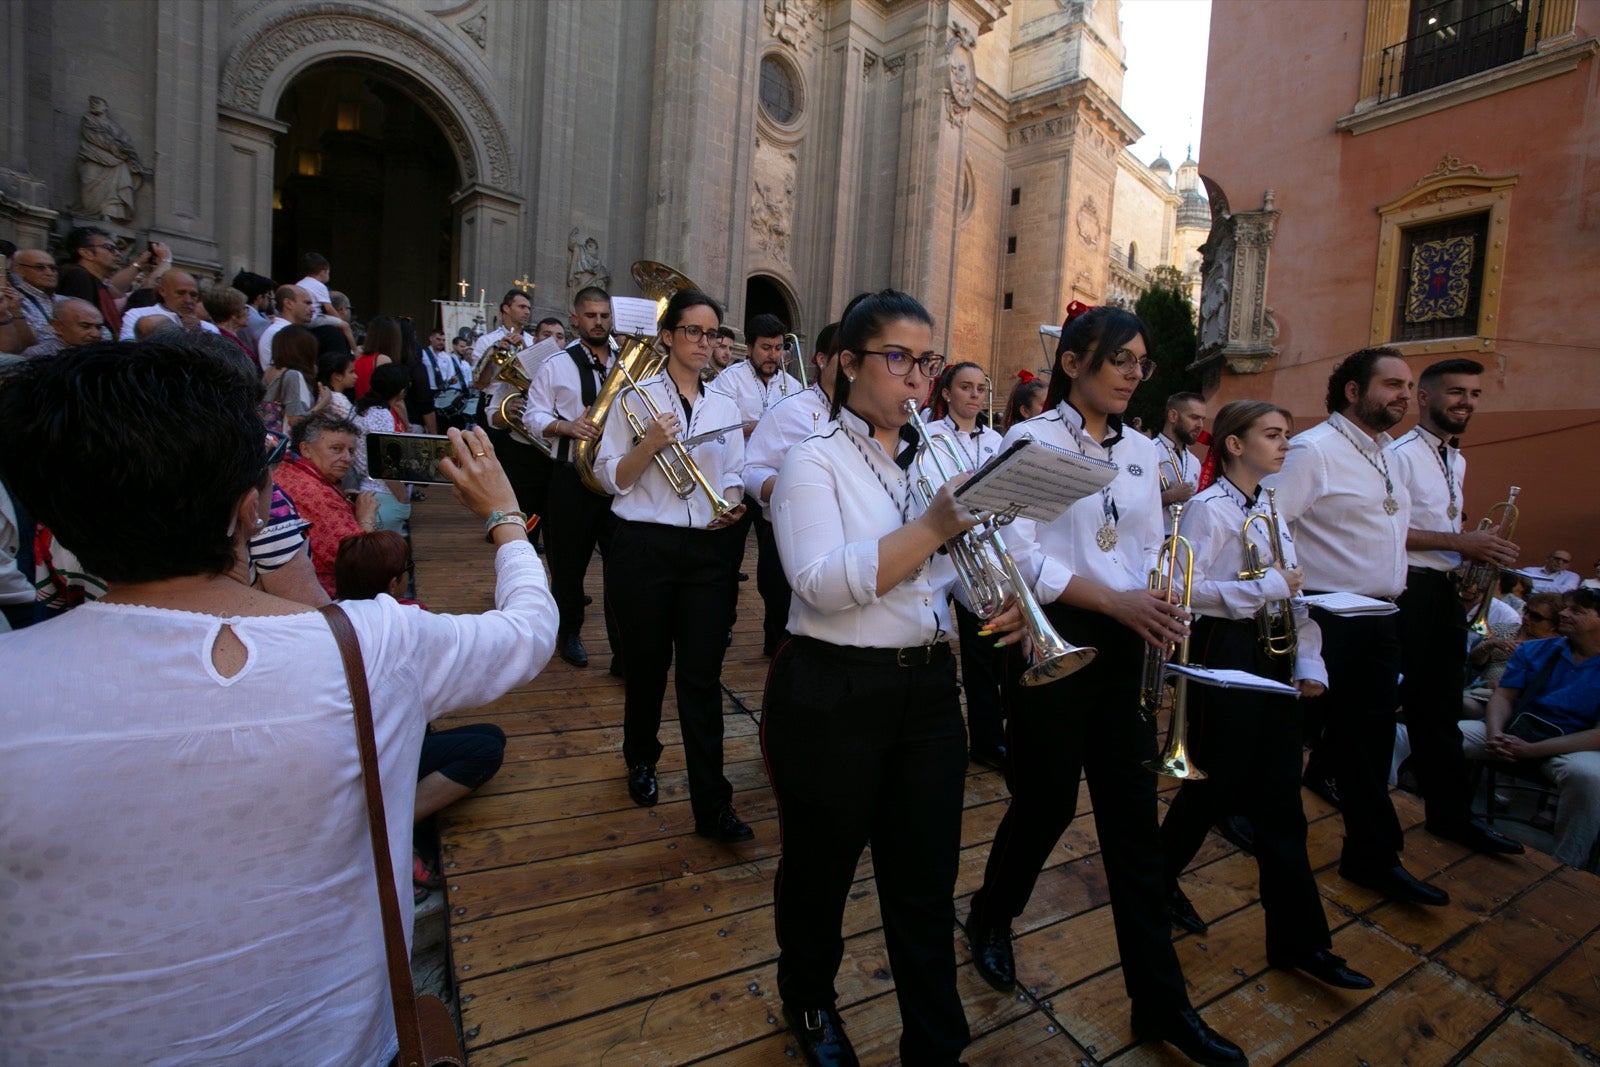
(1430, 572)
(911, 656)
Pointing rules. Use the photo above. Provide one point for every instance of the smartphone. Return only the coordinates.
(408, 457)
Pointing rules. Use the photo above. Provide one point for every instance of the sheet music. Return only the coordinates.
(534, 355)
(633, 314)
(1347, 604)
(1035, 480)
(1231, 679)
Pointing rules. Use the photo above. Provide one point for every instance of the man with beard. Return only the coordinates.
(1349, 515)
(1180, 471)
(760, 381)
(1432, 630)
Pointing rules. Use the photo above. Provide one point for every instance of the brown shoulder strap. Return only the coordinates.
(401, 991)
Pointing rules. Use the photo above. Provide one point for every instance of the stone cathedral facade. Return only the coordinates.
(785, 154)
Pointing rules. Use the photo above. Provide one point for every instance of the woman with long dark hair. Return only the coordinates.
(381, 345)
(1092, 565)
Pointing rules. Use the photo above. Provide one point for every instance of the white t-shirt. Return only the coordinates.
(131, 318)
(317, 291)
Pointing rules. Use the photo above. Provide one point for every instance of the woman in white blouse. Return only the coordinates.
(861, 725)
(383, 410)
(672, 571)
(1249, 742)
(1093, 566)
(183, 837)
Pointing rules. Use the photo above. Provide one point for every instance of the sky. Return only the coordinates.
(1164, 87)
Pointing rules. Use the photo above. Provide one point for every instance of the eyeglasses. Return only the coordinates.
(34, 266)
(277, 445)
(1536, 617)
(101, 246)
(900, 363)
(1130, 365)
(694, 334)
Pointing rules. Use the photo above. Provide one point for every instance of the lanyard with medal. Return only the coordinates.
(1390, 504)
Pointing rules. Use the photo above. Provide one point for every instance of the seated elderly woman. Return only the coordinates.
(185, 872)
(325, 448)
(1487, 656)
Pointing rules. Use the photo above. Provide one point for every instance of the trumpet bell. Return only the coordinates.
(1056, 665)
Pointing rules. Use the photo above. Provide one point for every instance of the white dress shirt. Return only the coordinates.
(1181, 460)
(1212, 523)
(497, 390)
(1559, 582)
(264, 342)
(838, 493)
(1065, 547)
(1437, 486)
(1331, 492)
(972, 449)
(650, 498)
(131, 318)
(753, 396)
(791, 420)
(556, 394)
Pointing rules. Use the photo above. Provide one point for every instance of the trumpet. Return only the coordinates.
(683, 474)
(1174, 570)
(791, 342)
(1480, 578)
(989, 575)
(1161, 469)
(1275, 619)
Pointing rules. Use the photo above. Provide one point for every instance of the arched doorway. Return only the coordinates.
(364, 175)
(765, 295)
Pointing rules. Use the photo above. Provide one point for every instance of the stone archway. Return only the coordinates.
(767, 295)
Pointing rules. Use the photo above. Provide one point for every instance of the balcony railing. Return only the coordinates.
(1487, 38)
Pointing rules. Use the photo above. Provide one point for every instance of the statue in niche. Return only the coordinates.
(109, 170)
(1216, 271)
(584, 267)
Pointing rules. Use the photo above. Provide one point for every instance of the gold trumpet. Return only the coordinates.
(1275, 619)
(1480, 578)
(989, 574)
(1174, 563)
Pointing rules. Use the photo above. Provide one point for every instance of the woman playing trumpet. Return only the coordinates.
(1247, 741)
(1092, 567)
(672, 583)
(862, 723)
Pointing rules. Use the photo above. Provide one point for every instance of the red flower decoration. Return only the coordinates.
(1076, 308)
(1024, 375)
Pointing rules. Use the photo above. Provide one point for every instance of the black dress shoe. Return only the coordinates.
(1323, 786)
(571, 649)
(642, 785)
(1478, 837)
(991, 953)
(725, 827)
(1399, 884)
(617, 670)
(820, 1034)
(1182, 913)
(1239, 832)
(993, 758)
(1327, 968)
(1189, 1034)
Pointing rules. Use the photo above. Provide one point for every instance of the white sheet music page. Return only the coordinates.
(1348, 604)
(633, 314)
(1231, 679)
(533, 355)
(1035, 480)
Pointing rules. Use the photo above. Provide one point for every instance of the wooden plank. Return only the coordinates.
(1525, 1041)
(1527, 936)
(1423, 1019)
(1567, 998)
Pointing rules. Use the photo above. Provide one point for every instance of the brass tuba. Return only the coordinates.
(635, 361)
(1174, 569)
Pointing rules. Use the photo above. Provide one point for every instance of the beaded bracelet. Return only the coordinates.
(500, 518)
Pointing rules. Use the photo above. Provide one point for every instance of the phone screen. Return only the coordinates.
(407, 457)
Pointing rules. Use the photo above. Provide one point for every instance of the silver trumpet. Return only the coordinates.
(988, 573)
(791, 343)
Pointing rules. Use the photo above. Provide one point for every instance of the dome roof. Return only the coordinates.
(1160, 164)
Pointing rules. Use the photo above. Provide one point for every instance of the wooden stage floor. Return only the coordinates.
(585, 930)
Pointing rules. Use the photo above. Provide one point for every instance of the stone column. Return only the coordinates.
(488, 222)
(246, 145)
(183, 188)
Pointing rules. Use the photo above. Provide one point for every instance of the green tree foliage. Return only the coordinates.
(1169, 317)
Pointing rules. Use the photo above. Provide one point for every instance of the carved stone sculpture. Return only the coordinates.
(1236, 324)
(109, 170)
(962, 75)
(772, 199)
(584, 267)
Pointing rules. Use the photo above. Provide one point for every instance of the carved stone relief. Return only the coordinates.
(794, 22)
(1088, 221)
(1236, 323)
(584, 266)
(961, 73)
(476, 27)
(772, 198)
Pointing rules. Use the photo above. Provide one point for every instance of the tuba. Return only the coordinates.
(989, 575)
(635, 361)
(1275, 619)
(1483, 579)
(502, 355)
(1174, 569)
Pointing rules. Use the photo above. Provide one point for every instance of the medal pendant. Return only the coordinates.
(1452, 511)
(1391, 505)
(1106, 536)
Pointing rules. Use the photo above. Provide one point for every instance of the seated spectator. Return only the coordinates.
(1546, 709)
(292, 379)
(197, 881)
(1557, 575)
(383, 410)
(1487, 656)
(16, 336)
(336, 375)
(1514, 589)
(73, 322)
(33, 276)
(229, 312)
(177, 300)
(325, 448)
(1593, 583)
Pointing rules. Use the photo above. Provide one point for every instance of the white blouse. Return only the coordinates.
(378, 419)
(650, 498)
(791, 420)
(184, 857)
(972, 449)
(837, 494)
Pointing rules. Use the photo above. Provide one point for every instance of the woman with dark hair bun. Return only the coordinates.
(1092, 567)
(672, 574)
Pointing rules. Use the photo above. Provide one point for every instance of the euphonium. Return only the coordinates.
(1483, 579)
(1275, 619)
(683, 474)
(635, 361)
(1174, 570)
(502, 355)
(989, 575)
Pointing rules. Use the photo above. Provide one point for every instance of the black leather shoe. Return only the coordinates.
(1399, 884)
(1189, 1034)
(820, 1034)
(1478, 837)
(1182, 913)
(617, 670)
(991, 953)
(642, 785)
(1323, 786)
(993, 758)
(1327, 968)
(725, 827)
(572, 650)
(1239, 832)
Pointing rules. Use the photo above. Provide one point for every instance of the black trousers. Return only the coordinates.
(771, 584)
(982, 666)
(859, 754)
(1088, 722)
(1433, 649)
(1249, 745)
(578, 522)
(1357, 719)
(671, 591)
